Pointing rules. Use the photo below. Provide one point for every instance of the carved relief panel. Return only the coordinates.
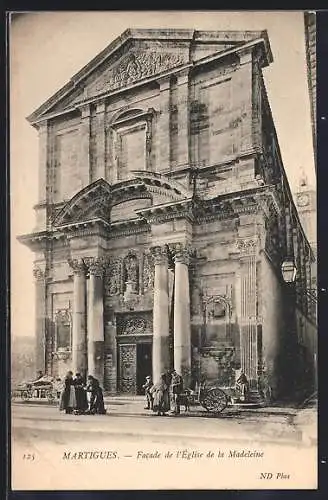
(148, 272)
(127, 368)
(113, 277)
(134, 324)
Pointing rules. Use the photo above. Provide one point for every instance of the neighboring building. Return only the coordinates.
(164, 217)
(311, 61)
(306, 203)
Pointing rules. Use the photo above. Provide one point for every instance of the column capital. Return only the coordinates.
(247, 246)
(164, 83)
(181, 252)
(39, 273)
(42, 127)
(160, 254)
(95, 265)
(100, 107)
(183, 76)
(78, 266)
(85, 110)
(245, 55)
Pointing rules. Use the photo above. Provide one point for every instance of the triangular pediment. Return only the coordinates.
(136, 56)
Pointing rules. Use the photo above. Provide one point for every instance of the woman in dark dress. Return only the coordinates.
(160, 393)
(80, 395)
(67, 398)
(96, 397)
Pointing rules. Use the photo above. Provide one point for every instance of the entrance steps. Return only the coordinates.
(126, 398)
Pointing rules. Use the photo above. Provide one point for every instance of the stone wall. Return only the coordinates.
(273, 326)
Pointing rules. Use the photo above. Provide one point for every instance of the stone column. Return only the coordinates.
(182, 329)
(96, 321)
(247, 310)
(85, 129)
(161, 350)
(79, 344)
(40, 319)
(101, 142)
(183, 118)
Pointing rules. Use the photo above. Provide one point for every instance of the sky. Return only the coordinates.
(47, 48)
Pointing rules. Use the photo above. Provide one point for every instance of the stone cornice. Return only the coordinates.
(126, 228)
(168, 211)
(93, 226)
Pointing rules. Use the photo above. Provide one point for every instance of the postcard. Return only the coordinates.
(163, 252)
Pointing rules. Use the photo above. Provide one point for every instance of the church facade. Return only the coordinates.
(164, 217)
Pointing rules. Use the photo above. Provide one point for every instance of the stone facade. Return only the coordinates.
(164, 216)
(311, 60)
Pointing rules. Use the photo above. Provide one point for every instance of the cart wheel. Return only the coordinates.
(25, 395)
(214, 400)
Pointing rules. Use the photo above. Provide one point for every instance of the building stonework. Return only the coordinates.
(311, 60)
(164, 216)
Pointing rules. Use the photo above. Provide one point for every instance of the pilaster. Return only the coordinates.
(183, 118)
(243, 98)
(101, 142)
(85, 135)
(43, 161)
(246, 291)
(40, 319)
(164, 125)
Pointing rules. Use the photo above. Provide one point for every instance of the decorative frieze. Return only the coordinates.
(136, 66)
(134, 324)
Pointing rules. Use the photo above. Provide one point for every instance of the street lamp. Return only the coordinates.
(288, 270)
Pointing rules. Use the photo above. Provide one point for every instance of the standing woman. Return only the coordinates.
(96, 397)
(67, 398)
(80, 395)
(160, 392)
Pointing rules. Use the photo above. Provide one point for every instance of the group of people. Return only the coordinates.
(80, 398)
(164, 393)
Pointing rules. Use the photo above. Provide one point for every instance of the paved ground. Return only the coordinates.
(45, 442)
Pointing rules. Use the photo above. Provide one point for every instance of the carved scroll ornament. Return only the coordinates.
(134, 67)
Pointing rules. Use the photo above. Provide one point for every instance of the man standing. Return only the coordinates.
(149, 397)
(176, 390)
